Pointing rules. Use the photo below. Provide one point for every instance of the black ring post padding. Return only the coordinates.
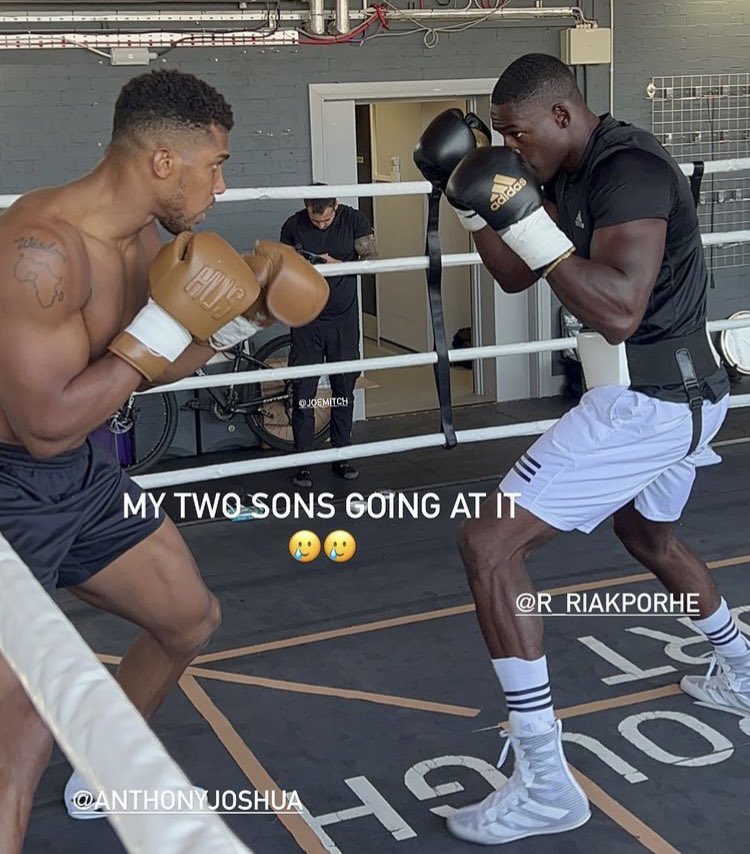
(434, 276)
(695, 180)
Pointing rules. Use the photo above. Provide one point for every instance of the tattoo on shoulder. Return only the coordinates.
(365, 247)
(36, 266)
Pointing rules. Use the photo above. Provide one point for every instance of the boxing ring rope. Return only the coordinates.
(397, 188)
(389, 446)
(83, 707)
(465, 354)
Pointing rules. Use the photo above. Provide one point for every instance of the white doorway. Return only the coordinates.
(400, 222)
(401, 322)
(494, 316)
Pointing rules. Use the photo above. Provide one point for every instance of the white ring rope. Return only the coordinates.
(95, 724)
(373, 364)
(365, 449)
(712, 167)
(411, 360)
(421, 262)
(396, 188)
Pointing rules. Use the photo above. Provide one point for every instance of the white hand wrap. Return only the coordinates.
(159, 332)
(470, 220)
(234, 332)
(537, 240)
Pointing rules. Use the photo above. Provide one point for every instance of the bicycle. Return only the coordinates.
(146, 424)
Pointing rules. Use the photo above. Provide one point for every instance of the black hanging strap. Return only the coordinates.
(693, 390)
(695, 180)
(695, 187)
(434, 276)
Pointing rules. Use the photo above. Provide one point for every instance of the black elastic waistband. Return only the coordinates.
(655, 364)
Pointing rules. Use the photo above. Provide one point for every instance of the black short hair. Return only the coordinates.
(319, 206)
(535, 76)
(168, 98)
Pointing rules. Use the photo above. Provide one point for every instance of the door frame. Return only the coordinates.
(333, 157)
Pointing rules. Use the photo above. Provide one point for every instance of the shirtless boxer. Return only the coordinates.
(88, 314)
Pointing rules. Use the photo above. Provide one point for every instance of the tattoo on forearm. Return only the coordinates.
(366, 248)
(36, 267)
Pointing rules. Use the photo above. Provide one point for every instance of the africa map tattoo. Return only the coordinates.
(34, 268)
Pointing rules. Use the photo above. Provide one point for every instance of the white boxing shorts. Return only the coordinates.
(615, 446)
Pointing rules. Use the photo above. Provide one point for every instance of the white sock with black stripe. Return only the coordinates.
(722, 633)
(527, 691)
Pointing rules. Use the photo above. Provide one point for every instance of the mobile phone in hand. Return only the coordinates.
(312, 257)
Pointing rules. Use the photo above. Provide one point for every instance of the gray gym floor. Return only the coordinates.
(367, 685)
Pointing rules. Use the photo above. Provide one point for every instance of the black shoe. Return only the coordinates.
(345, 470)
(303, 478)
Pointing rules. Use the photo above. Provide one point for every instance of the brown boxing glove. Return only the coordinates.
(292, 290)
(199, 284)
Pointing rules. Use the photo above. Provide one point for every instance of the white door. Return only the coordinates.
(400, 227)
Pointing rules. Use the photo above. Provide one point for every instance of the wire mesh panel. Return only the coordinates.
(707, 117)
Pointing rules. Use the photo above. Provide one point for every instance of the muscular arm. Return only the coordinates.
(505, 267)
(610, 292)
(49, 393)
(631, 196)
(186, 365)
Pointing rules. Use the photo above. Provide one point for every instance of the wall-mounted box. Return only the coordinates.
(584, 46)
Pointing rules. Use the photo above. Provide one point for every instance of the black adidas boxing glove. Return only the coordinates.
(448, 138)
(494, 184)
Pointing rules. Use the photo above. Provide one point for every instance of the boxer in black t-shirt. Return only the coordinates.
(615, 234)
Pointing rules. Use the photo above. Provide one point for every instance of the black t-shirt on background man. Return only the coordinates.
(337, 240)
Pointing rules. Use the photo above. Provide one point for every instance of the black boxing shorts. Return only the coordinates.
(65, 516)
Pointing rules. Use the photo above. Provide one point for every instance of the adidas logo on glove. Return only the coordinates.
(503, 190)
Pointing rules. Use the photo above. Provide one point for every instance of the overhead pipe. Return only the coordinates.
(342, 17)
(316, 18)
(503, 14)
(77, 4)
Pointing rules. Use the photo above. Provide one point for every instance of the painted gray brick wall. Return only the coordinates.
(671, 37)
(665, 37)
(57, 105)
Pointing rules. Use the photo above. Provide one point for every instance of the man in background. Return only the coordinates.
(327, 232)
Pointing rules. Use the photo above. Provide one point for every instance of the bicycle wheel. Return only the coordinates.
(271, 419)
(145, 432)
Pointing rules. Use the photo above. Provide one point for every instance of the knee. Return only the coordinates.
(213, 617)
(26, 742)
(38, 741)
(466, 543)
(206, 625)
(192, 631)
(627, 534)
(641, 541)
